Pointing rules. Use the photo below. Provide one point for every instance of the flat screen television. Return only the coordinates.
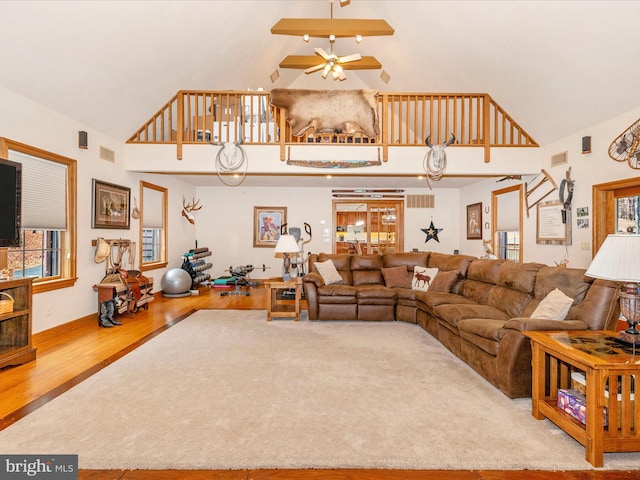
(10, 202)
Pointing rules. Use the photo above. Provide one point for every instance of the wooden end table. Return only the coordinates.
(283, 308)
(609, 367)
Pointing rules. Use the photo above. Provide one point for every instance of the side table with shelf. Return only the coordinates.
(278, 308)
(607, 366)
(15, 325)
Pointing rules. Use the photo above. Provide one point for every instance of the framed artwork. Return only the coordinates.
(552, 227)
(110, 205)
(267, 222)
(474, 221)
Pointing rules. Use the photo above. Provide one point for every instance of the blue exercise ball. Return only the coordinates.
(176, 282)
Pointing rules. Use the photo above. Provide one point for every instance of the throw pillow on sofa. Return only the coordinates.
(444, 281)
(396, 277)
(554, 306)
(422, 278)
(328, 272)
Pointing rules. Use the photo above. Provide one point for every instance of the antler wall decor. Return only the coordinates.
(187, 208)
(435, 161)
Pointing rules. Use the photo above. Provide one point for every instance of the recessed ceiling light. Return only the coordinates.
(305, 37)
(358, 38)
(328, 176)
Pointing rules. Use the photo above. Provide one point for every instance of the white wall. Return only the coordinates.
(28, 122)
(225, 224)
(586, 170)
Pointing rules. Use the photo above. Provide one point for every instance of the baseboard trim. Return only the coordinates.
(51, 333)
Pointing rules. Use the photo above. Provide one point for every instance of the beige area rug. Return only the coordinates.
(228, 390)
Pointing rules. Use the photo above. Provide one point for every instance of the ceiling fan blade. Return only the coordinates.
(314, 68)
(322, 53)
(350, 58)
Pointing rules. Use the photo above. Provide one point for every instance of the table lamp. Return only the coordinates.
(286, 244)
(618, 259)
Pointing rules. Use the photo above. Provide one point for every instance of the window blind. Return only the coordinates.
(508, 212)
(152, 208)
(44, 192)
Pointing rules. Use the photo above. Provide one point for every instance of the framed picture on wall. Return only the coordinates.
(267, 222)
(111, 204)
(474, 221)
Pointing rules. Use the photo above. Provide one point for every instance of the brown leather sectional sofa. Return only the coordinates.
(480, 312)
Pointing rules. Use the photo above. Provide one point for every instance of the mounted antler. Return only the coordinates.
(435, 162)
(190, 207)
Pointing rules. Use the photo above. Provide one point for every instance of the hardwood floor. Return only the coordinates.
(69, 355)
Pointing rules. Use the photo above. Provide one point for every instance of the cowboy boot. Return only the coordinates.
(111, 310)
(103, 319)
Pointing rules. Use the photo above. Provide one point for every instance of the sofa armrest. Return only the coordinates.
(526, 324)
(315, 278)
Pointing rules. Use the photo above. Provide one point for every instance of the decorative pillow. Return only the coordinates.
(422, 278)
(444, 281)
(554, 306)
(328, 272)
(396, 277)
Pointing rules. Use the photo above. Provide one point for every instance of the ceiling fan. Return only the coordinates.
(332, 62)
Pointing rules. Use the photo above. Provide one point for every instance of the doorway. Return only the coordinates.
(506, 223)
(368, 226)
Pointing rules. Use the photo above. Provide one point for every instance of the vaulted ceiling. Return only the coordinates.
(555, 66)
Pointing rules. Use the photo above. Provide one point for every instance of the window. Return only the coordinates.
(153, 232)
(506, 222)
(48, 236)
(627, 209)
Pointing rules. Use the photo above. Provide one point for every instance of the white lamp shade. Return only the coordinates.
(618, 259)
(287, 244)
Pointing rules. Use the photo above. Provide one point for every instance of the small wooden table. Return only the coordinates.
(283, 308)
(608, 366)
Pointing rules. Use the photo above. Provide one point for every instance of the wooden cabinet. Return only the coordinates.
(368, 226)
(15, 325)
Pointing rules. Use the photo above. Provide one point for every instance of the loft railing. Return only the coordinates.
(405, 119)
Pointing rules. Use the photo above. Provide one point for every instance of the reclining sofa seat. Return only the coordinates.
(480, 318)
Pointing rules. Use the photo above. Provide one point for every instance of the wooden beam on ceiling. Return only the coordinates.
(306, 61)
(340, 27)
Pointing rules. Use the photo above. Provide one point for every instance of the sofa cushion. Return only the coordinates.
(338, 290)
(485, 271)
(483, 333)
(445, 261)
(512, 302)
(328, 272)
(366, 270)
(408, 259)
(519, 276)
(475, 290)
(444, 281)
(375, 295)
(453, 313)
(422, 278)
(554, 306)
(432, 299)
(396, 277)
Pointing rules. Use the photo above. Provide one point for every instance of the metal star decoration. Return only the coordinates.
(432, 232)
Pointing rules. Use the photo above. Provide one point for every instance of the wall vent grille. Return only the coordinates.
(108, 155)
(559, 159)
(421, 201)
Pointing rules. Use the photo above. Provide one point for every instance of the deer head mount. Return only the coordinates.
(187, 208)
(435, 161)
